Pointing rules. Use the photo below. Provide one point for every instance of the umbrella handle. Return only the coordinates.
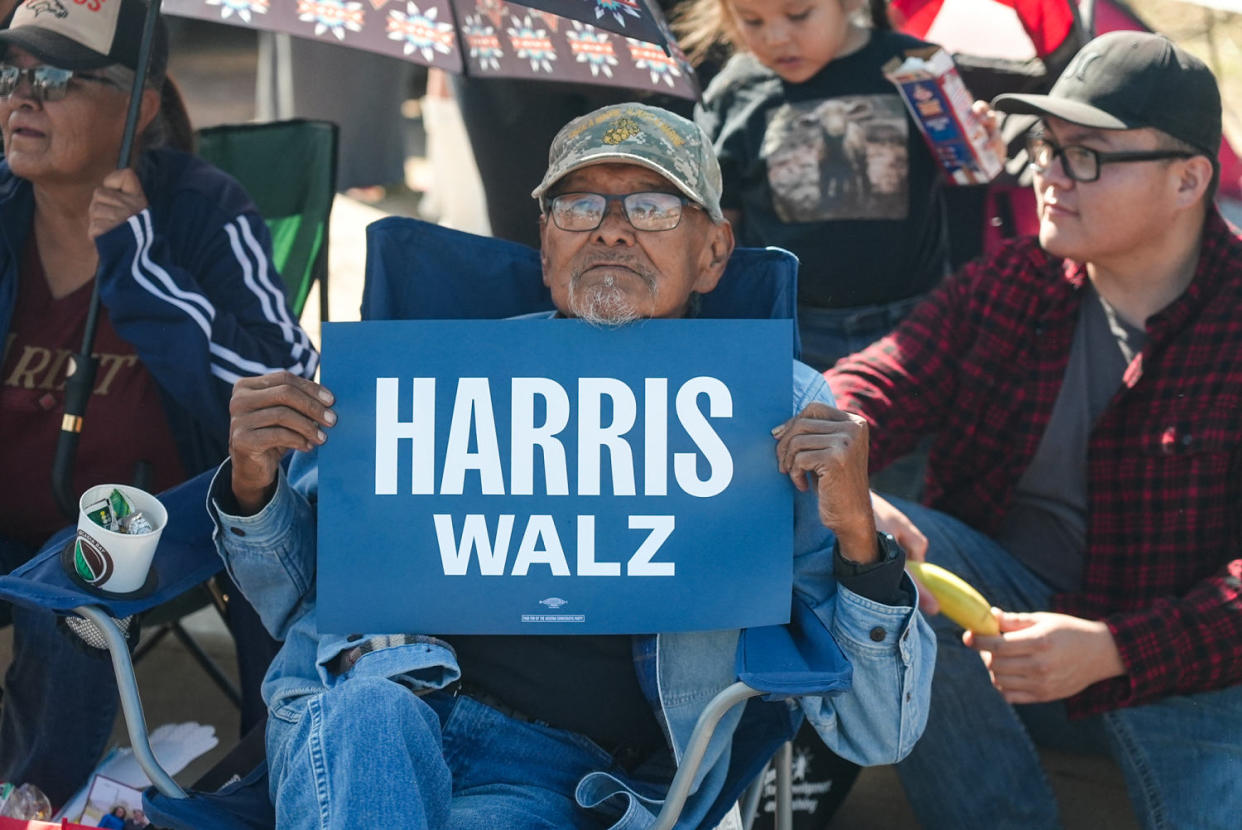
(140, 82)
(78, 386)
(81, 378)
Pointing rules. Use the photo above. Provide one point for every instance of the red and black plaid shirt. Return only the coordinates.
(980, 364)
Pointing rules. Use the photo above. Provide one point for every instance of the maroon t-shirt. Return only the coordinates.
(124, 421)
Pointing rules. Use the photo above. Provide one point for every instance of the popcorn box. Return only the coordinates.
(933, 90)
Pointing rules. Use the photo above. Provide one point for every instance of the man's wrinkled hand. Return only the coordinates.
(829, 447)
(1040, 657)
(119, 197)
(270, 415)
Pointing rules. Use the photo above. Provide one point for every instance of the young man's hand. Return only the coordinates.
(1042, 656)
(992, 123)
(270, 415)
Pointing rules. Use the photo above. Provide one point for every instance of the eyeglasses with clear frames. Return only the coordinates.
(1082, 164)
(646, 211)
(47, 83)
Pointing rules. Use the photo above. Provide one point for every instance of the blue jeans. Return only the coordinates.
(369, 750)
(829, 334)
(976, 765)
(59, 705)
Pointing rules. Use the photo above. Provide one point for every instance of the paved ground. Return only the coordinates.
(215, 66)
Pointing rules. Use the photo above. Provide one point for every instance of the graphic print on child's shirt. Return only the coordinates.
(838, 158)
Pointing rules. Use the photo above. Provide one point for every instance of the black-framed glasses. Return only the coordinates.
(47, 83)
(646, 211)
(1082, 164)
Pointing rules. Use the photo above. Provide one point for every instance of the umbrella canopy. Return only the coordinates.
(992, 28)
(623, 43)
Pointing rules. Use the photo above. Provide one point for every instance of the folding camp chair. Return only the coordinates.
(475, 277)
(289, 170)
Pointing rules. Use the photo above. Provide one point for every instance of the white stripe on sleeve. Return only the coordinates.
(294, 334)
(193, 305)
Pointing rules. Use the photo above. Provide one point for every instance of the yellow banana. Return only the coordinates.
(959, 601)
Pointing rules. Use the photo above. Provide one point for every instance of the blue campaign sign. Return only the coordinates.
(549, 477)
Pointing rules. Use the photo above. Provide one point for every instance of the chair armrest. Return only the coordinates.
(797, 659)
(127, 685)
(679, 790)
(186, 557)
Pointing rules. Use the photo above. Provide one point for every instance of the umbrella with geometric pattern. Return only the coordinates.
(623, 43)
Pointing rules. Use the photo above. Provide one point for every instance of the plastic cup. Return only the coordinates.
(109, 560)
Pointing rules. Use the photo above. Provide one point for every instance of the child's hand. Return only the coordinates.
(991, 120)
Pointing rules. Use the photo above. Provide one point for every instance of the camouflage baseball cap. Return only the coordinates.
(650, 137)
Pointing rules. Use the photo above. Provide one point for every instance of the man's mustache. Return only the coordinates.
(629, 263)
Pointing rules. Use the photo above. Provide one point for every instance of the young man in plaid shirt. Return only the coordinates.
(1085, 389)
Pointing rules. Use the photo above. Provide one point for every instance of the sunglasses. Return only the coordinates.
(646, 211)
(47, 83)
(1082, 164)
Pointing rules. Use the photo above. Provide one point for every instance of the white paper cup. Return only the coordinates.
(112, 561)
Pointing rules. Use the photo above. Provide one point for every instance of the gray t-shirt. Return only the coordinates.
(1046, 528)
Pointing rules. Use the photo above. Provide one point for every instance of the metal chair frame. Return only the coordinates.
(679, 789)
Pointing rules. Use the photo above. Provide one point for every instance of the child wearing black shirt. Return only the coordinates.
(820, 157)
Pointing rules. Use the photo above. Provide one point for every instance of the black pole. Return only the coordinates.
(82, 366)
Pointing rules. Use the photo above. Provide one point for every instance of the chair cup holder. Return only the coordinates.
(66, 563)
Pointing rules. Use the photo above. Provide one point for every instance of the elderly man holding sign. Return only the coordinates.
(548, 730)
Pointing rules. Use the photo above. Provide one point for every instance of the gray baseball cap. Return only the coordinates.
(648, 136)
(1129, 80)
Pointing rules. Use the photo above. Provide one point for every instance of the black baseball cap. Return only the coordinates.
(86, 35)
(1130, 80)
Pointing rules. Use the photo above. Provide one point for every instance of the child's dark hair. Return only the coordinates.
(878, 12)
(706, 28)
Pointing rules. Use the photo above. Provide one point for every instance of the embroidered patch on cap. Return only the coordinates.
(91, 23)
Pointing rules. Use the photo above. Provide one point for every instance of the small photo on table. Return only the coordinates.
(113, 805)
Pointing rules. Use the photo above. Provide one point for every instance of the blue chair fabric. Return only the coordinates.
(457, 275)
(790, 660)
(242, 804)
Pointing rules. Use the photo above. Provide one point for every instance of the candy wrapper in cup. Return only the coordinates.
(118, 531)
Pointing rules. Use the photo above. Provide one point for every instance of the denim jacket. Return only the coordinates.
(271, 555)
